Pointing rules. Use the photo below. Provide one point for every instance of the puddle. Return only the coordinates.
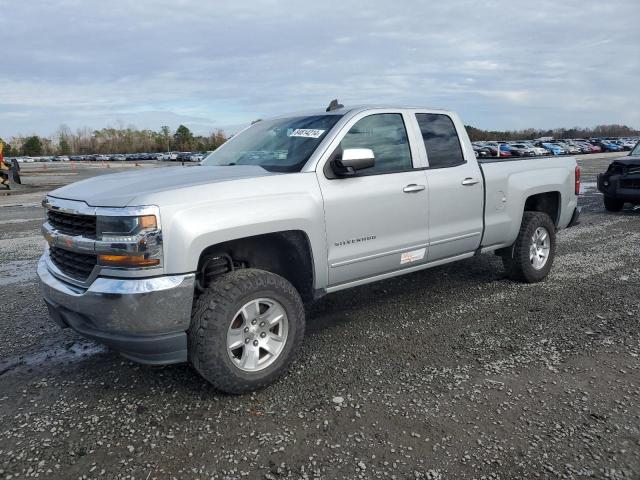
(20, 220)
(76, 351)
(21, 204)
(22, 247)
(588, 186)
(17, 271)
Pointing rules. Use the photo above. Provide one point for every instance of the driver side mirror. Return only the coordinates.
(353, 159)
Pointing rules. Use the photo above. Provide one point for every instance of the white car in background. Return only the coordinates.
(569, 148)
(522, 150)
(583, 147)
(539, 150)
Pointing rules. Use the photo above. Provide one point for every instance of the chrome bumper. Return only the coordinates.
(146, 319)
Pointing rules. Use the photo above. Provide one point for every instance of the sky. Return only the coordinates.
(219, 64)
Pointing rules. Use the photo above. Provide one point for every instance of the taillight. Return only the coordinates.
(577, 175)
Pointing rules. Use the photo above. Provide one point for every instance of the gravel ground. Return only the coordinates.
(453, 372)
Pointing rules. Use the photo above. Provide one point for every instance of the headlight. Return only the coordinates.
(124, 229)
(130, 242)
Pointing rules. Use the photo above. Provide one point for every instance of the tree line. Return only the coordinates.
(558, 133)
(85, 141)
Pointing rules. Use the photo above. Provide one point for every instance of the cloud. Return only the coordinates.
(500, 64)
(480, 65)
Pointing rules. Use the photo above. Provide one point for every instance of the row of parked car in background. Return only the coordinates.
(521, 148)
(118, 157)
(549, 146)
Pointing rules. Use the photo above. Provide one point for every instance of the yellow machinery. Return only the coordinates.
(9, 172)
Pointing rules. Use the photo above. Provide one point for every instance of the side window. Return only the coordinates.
(386, 135)
(440, 140)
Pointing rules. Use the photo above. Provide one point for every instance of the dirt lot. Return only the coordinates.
(453, 372)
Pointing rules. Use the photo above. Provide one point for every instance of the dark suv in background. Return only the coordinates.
(620, 184)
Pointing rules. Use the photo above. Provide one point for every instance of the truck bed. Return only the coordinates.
(514, 159)
(510, 180)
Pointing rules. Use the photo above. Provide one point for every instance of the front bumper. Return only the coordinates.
(145, 319)
(615, 187)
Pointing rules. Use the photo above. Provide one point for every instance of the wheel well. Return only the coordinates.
(548, 202)
(287, 254)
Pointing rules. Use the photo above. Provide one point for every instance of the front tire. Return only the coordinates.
(613, 204)
(531, 256)
(245, 330)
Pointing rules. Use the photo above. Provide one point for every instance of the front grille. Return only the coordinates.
(72, 224)
(630, 183)
(76, 265)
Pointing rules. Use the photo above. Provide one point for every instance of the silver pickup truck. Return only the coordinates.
(211, 264)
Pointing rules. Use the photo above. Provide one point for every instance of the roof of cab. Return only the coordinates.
(357, 109)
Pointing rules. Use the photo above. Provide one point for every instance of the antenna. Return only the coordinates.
(334, 105)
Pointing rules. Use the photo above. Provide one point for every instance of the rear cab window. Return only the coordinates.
(440, 140)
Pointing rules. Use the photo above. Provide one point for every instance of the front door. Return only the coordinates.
(376, 221)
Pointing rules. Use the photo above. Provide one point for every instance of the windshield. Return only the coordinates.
(279, 145)
(636, 149)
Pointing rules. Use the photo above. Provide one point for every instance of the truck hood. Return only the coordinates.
(625, 165)
(121, 189)
(628, 160)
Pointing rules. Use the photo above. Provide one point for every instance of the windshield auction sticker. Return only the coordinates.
(306, 132)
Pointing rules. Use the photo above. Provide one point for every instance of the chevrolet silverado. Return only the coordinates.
(211, 264)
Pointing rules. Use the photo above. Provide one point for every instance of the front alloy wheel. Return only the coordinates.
(257, 334)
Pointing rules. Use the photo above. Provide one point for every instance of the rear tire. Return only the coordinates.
(530, 258)
(224, 316)
(613, 204)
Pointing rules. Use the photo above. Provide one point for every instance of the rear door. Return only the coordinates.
(376, 221)
(455, 188)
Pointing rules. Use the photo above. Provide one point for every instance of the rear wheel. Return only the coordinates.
(245, 330)
(613, 204)
(531, 256)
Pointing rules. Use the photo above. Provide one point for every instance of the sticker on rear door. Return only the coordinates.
(412, 256)
(306, 132)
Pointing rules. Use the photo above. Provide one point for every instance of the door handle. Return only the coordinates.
(412, 188)
(469, 181)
